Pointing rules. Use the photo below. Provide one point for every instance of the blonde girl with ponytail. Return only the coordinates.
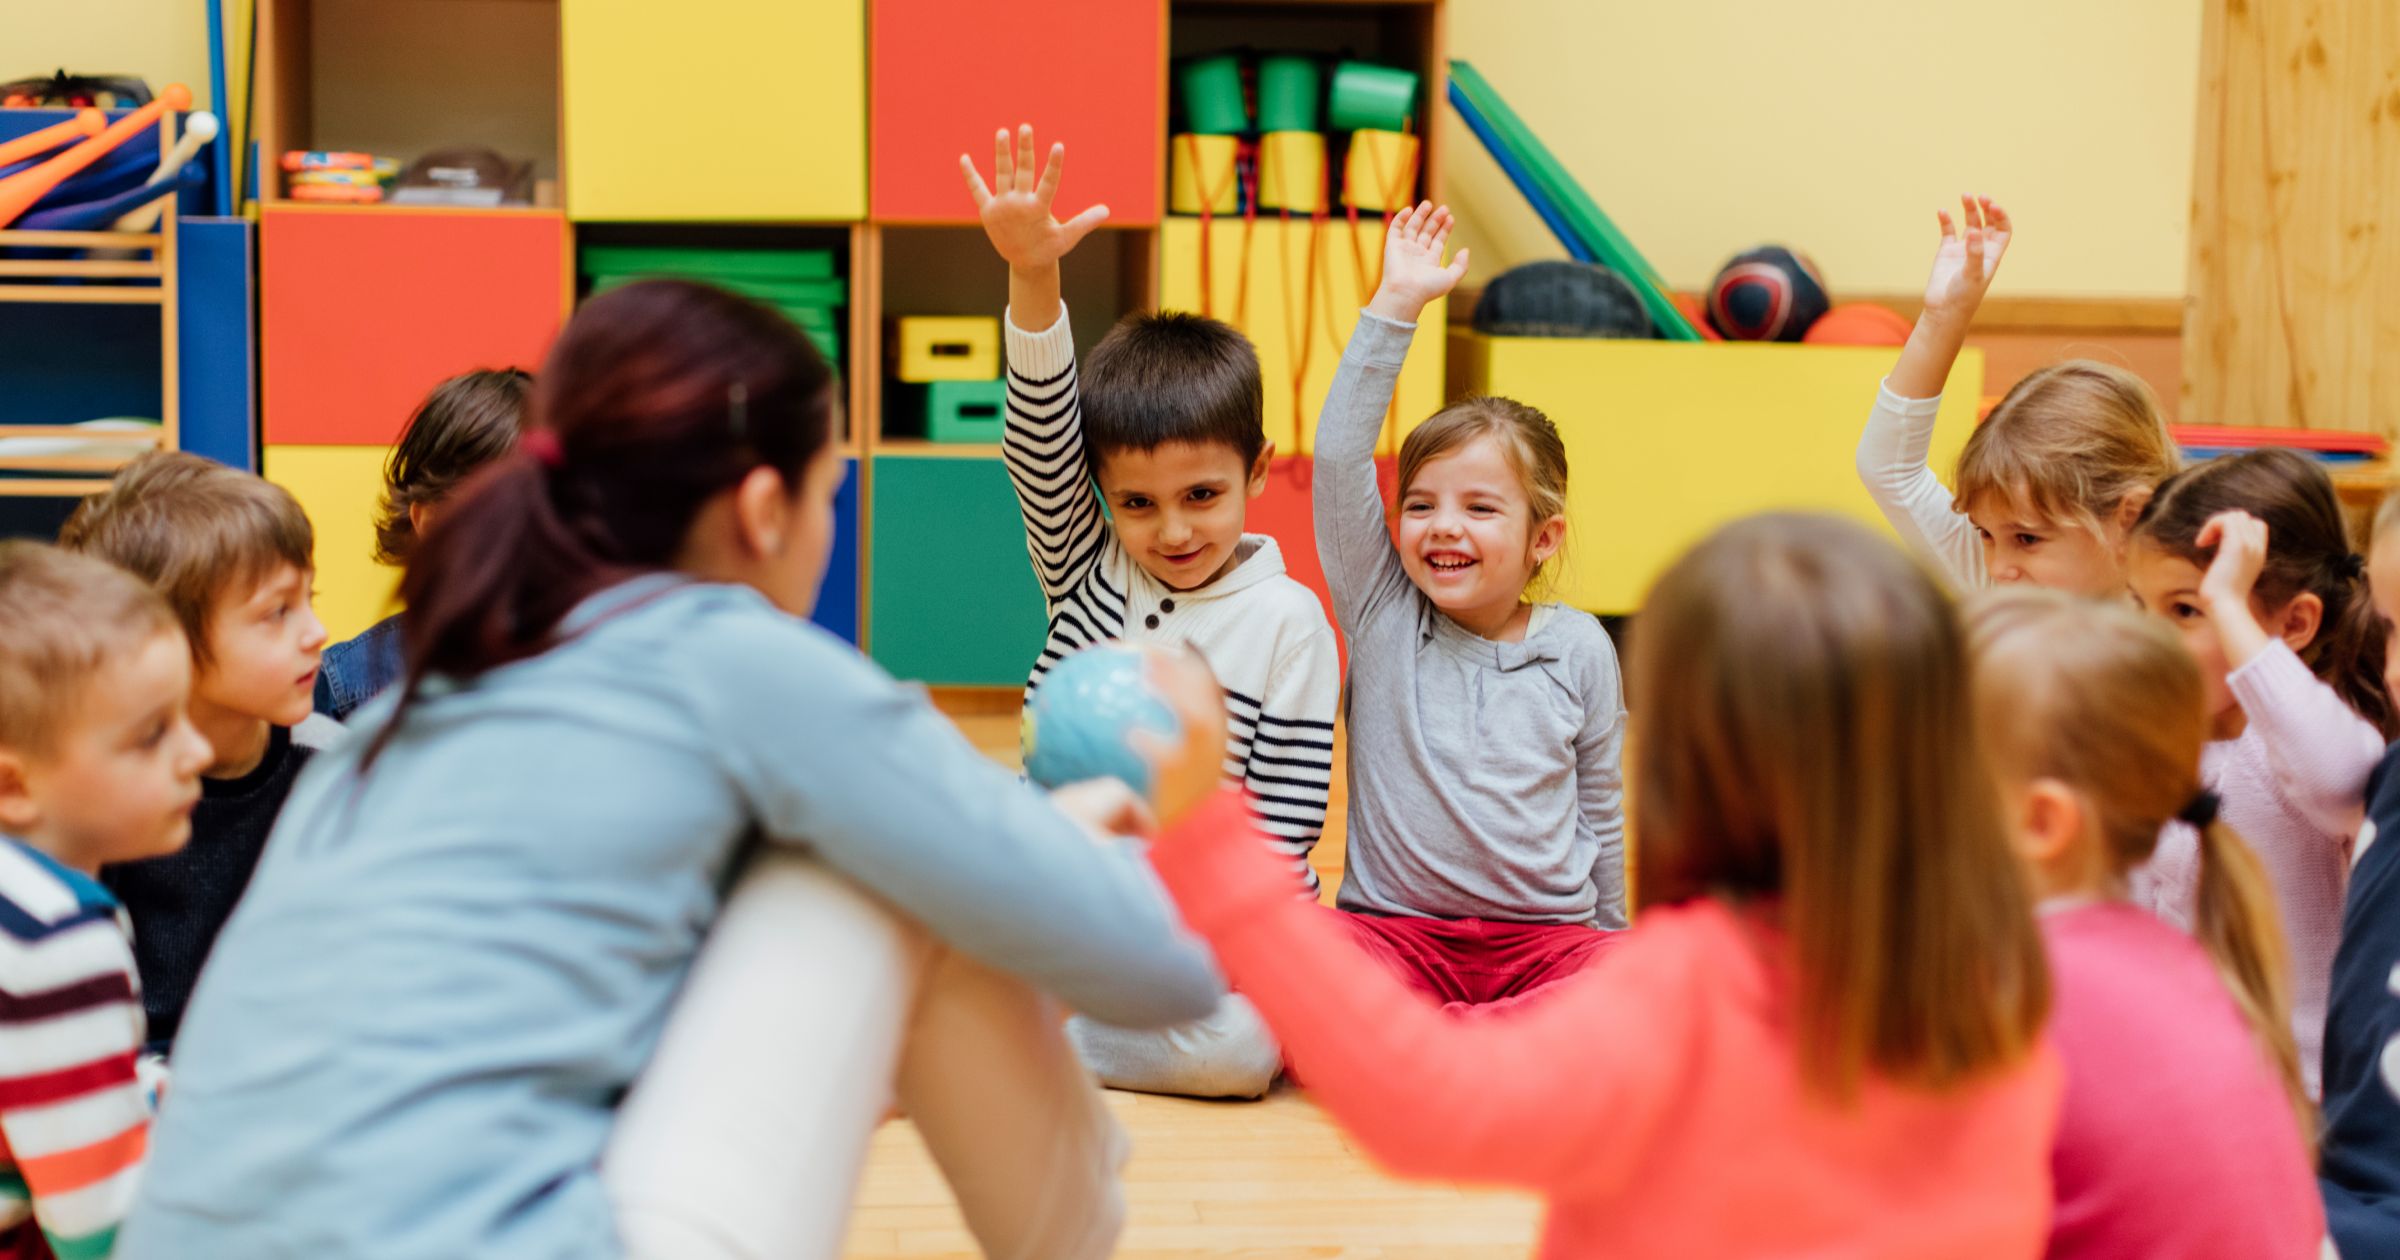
(2186, 1125)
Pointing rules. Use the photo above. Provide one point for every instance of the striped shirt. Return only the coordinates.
(74, 1113)
(1263, 633)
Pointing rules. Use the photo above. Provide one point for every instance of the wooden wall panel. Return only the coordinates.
(2295, 267)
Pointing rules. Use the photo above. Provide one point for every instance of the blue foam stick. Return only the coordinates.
(1509, 166)
(96, 216)
(221, 157)
(105, 178)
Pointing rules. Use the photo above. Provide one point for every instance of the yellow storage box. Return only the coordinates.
(947, 348)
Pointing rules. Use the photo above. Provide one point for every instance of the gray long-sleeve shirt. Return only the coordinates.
(1484, 777)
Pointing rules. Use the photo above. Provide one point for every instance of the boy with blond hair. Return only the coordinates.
(99, 763)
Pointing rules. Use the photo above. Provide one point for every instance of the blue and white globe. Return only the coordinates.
(1079, 722)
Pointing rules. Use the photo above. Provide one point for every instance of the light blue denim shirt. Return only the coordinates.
(415, 1030)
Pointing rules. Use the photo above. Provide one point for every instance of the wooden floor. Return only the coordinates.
(1271, 1180)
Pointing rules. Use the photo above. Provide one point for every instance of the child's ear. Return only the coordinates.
(18, 812)
(2049, 823)
(1549, 538)
(1258, 470)
(2300, 620)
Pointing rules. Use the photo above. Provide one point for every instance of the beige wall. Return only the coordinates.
(164, 41)
(1837, 126)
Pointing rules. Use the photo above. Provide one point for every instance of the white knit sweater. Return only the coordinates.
(1263, 633)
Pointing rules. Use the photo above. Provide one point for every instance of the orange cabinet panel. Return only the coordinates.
(364, 311)
(946, 75)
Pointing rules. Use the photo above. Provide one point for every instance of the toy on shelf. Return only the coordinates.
(472, 177)
(20, 191)
(337, 178)
(1770, 293)
(177, 165)
(2328, 446)
(947, 348)
(76, 91)
(1859, 324)
(1563, 203)
(800, 283)
(1225, 160)
(1561, 298)
(85, 124)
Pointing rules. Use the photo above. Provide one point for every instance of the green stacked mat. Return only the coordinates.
(798, 282)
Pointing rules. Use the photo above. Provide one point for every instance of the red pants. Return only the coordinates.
(1466, 963)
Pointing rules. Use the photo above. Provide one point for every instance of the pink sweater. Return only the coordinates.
(2175, 1139)
(2294, 784)
(1654, 1099)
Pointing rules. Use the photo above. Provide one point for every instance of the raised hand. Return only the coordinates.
(1968, 258)
(2241, 543)
(1015, 207)
(1413, 271)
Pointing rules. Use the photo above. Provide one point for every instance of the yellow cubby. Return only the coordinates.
(723, 110)
(1306, 283)
(341, 487)
(1668, 440)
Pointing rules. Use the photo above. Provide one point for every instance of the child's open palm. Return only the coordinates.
(1968, 259)
(1016, 206)
(1413, 271)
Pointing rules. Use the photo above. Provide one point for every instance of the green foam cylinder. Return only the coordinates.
(1368, 97)
(1212, 96)
(1287, 94)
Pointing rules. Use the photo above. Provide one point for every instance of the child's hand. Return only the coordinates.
(1966, 262)
(1105, 807)
(1413, 274)
(1017, 217)
(1187, 771)
(2241, 543)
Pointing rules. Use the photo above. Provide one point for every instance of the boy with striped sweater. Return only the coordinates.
(1166, 425)
(99, 762)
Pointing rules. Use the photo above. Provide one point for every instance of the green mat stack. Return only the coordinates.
(798, 282)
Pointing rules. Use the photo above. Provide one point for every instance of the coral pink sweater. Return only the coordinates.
(1655, 1099)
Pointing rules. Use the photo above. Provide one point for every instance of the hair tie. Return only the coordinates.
(2201, 810)
(544, 446)
(2354, 566)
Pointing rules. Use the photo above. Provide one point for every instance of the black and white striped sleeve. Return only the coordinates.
(1042, 445)
(1285, 739)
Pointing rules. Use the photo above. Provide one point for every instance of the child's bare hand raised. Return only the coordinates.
(1968, 258)
(1413, 271)
(1963, 267)
(1016, 206)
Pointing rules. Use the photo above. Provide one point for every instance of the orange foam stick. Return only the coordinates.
(86, 122)
(21, 190)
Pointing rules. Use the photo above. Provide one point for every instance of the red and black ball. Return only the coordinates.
(1767, 294)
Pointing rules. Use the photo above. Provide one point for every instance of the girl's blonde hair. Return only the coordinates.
(1806, 741)
(2071, 442)
(1526, 437)
(2104, 700)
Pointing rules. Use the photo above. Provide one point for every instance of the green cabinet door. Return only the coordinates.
(952, 599)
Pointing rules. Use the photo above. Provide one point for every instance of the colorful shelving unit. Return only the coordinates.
(830, 127)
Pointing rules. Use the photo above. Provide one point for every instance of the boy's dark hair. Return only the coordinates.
(194, 529)
(465, 423)
(1172, 376)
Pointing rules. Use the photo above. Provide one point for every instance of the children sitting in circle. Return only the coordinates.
(641, 902)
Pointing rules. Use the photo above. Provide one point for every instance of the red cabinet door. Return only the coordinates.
(364, 311)
(945, 75)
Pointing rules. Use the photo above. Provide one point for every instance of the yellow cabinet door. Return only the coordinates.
(744, 110)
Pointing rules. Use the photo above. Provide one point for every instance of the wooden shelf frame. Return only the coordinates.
(154, 273)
